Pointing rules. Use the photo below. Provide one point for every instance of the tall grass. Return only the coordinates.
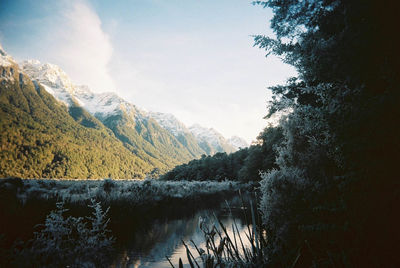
(26, 202)
(226, 246)
(136, 192)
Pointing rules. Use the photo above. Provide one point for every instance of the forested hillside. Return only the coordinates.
(52, 128)
(243, 165)
(40, 139)
(138, 131)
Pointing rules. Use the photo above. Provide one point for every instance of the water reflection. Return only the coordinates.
(163, 237)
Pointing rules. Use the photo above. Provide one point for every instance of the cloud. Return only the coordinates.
(81, 47)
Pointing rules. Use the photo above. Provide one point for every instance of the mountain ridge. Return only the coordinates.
(39, 139)
(47, 119)
(105, 104)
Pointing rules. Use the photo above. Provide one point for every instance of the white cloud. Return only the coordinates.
(81, 47)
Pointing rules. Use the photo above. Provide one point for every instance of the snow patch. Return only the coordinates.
(57, 83)
(238, 142)
(5, 59)
(209, 135)
(170, 123)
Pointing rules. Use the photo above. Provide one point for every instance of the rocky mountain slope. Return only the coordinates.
(154, 141)
(40, 139)
(108, 105)
(210, 140)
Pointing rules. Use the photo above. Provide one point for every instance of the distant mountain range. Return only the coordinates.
(51, 127)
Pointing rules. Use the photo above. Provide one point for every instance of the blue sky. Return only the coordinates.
(192, 58)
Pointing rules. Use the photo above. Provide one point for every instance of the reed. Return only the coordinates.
(229, 249)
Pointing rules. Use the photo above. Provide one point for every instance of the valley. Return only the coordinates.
(60, 127)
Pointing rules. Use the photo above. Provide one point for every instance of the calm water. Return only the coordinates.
(149, 243)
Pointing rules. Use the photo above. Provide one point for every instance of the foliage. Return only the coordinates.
(42, 138)
(243, 165)
(150, 142)
(133, 192)
(225, 246)
(132, 203)
(337, 163)
(70, 241)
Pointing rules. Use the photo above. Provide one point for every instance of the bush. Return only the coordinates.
(70, 241)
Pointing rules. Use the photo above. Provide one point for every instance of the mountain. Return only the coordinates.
(238, 142)
(110, 108)
(210, 140)
(139, 132)
(54, 128)
(40, 139)
(179, 130)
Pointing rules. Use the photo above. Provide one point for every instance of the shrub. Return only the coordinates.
(70, 241)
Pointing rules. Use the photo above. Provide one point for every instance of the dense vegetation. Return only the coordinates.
(133, 192)
(69, 241)
(333, 201)
(243, 165)
(42, 138)
(74, 234)
(150, 142)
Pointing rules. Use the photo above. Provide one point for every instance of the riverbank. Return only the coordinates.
(133, 203)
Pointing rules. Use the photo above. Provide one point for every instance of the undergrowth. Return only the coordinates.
(68, 241)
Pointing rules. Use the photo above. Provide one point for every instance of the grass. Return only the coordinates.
(226, 246)
(135, 192)
(24, 203)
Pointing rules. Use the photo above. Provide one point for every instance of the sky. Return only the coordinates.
(194, 59)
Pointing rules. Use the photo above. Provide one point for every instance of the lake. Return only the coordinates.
(148, 244)
(148, 219)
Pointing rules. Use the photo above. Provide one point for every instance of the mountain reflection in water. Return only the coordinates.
(163, 237)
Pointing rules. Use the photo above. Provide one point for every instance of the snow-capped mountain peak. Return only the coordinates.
(5, 59)
(170, 123)
(199, 130)
(103, 105)
(52, 78)
(212, 137)
(48, 73)
(238, 142)
(57, 83)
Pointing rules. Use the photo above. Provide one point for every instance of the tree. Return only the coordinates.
(338, 160)
(244, 165)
